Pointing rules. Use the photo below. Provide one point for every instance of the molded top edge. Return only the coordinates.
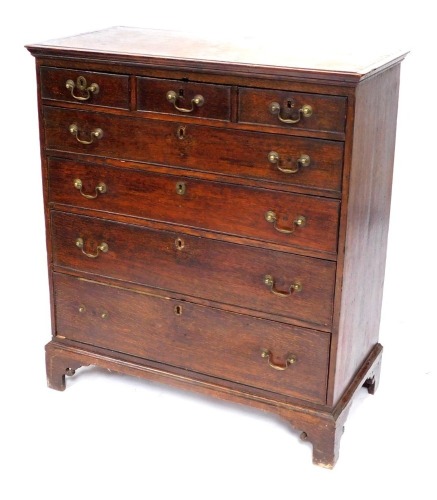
(248, 54)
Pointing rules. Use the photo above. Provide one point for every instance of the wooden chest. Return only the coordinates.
(217, 218)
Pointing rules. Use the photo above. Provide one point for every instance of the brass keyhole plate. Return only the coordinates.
(181, 187)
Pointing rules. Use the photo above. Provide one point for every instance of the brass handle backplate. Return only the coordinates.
(96, 133)
(304, 112)
(81, 85)
(302, 161)
(196, 101)
(293, 288)
(99, 189)
(271, 217)
(291, 359)
(103, 247)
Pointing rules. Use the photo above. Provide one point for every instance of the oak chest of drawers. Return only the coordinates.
(217, 218)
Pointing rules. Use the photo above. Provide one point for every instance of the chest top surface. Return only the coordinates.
(247, 54)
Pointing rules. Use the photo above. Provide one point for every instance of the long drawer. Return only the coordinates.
(197, 338)
(310, 163)
(298, 221)
(293, 287)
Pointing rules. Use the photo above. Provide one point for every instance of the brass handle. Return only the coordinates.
(303, 161)
(97, 133)
(99, 189)
(81, 84)
(291, 359)
(304, 112)
(299, 221)
(103, 247)
(293, 288)
(197, 100)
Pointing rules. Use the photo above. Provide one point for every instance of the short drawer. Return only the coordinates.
(85, 87)
(297, 221)
(204, 340)
(259, 156)
(178, 97)
(292, 110)
(277, 283)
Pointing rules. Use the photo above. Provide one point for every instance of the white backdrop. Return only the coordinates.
(115, 437)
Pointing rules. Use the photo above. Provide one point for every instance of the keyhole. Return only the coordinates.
(178, 310)
(179, 243)
(181, 93)
(181, 132)
(180, 188)
(289, 103)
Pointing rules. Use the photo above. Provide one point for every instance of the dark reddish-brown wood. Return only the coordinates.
(365, 218)
(198, 267)
(113, 90)
(328, 113)
(229, 348)
(183, 276)
(152, 96)
(238, 153)
(226, 208)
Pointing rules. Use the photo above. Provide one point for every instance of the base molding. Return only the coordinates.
(322, 427)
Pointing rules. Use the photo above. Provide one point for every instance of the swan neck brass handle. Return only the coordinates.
(293, 288)
(99, 189)
(304, 112)
(96, 133)
(271, 217)
(291, 359)
(102, 247)
(302, 161)
(196, 101)
(85, 92)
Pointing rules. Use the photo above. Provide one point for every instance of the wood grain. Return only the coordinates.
(229, 348)
(366, 219)
(113, 89)
(199, 267)
(236, 153)
(328, 113)
(152, 97)
(181, 294)
(207, 205)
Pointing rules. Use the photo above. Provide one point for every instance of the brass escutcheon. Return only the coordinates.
(181, 132)
(179, 243)
(181, 187)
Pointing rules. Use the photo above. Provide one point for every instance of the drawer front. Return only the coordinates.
(173, 332)
(290, 110)
(192, 202)
(177, 97)
(231, 152)
(85, 87)
(199, 267)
